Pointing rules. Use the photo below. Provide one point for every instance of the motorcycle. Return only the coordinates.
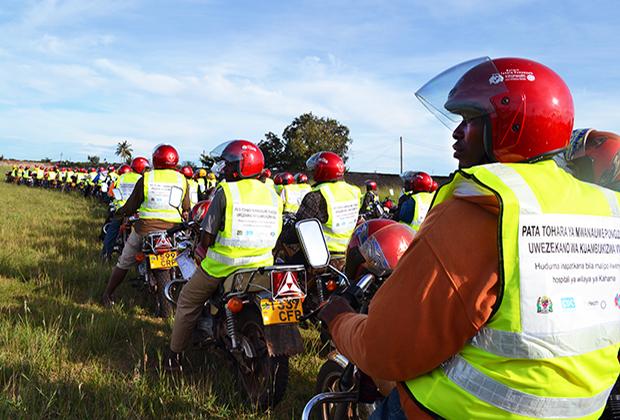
(253, 318)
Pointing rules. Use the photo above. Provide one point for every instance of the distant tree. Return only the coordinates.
(46, 160)
(308, 134)
(206, 160)
(1, 157)
(124, 151)
(188, 163)
(273, 151)
(94, 160)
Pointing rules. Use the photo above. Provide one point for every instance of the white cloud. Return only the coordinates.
(149, 82)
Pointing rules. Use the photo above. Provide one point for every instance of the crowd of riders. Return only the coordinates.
(468, 325)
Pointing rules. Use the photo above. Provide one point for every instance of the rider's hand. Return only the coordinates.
(334, 307)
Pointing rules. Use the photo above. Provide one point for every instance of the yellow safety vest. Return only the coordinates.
(422, 205)
(157, 187)
(252, 224)
(201, 185)
(126, 184)
(40, 174)
(293, 195)
(52, 175)
(550, 349)
(343, 206)
(193, 192)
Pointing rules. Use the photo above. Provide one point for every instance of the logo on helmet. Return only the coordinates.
(496, 79)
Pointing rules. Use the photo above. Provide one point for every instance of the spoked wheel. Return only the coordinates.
(263, 378)
(328, 380)
(164, 308)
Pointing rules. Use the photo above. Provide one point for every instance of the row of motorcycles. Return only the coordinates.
(255, 317)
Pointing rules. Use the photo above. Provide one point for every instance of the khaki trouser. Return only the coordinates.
(132, 246)
(189, 306)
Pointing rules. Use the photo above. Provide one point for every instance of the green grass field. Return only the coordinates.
(63, 355)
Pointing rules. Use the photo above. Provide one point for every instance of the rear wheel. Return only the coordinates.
(328, 380)
(164, 308)
(264, 378)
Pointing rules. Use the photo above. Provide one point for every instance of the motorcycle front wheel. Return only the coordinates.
(264, 378)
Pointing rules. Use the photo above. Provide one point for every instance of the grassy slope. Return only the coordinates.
(62, 355)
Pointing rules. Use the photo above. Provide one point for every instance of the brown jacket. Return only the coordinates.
(440, 294)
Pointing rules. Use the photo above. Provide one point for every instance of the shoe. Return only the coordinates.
(107, 301)
(172, 362)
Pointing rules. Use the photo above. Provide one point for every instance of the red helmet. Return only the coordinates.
(594, 156)
(265, 173)
(435, 186)
(370, 185)
(124, 169)
(325, 166)
(388, 203)
(165, 157)
(199, 211)
(110, 168)
(301, 178)
(383, 249)
(527, 109)
(355, 264)
(140, 164)
(187, 171)
(283, 178)
(238, 159)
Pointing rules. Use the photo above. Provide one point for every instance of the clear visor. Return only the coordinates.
(465, 90)
(577, 144)
(313, 161)
(217, 153)
(374, 257)
(218, 168)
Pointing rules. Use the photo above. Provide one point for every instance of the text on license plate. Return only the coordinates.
(166, 260)
(281, 311)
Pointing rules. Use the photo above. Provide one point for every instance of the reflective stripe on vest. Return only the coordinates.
(550, 350)
(252, 224)
(343, 206)
(157, 187)
(126, 184)
(293, 195)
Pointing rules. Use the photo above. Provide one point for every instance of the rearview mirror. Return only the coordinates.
(312, 240)
(176, 197)
(117, 194)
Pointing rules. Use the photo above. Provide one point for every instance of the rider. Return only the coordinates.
(265, 177)
(498, 332)
(242, 201)
(416, 200)
(289, 192)
(334, 202)
(594, 156)
(371, 202)
(125, 184)
(150, 198)
(188, 172)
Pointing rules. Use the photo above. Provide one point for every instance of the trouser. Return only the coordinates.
(131, 248)
(389, 408)
(193, 296)
(114, 225)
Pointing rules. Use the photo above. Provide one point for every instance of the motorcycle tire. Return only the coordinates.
(266, 381)
(164, 308)
(328, 380)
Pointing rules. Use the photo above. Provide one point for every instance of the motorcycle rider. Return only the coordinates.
(126, 182)
(371, 204)
(188, 172)
(490, 333)
(265, 177)
(332, 201)
(289, 192)
(236, 203)
(416, 199)
(150, 198)
(594, 156)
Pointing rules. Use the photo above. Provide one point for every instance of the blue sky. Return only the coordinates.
(77, 76)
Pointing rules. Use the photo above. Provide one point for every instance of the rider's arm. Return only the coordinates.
(441, 293)
(133, 202)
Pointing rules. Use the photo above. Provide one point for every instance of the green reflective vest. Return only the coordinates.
(126, 183)
(269, 183)
(422, 205)
(252, 224)
(158, 185)
(550, 349)
(292, 195)
(343, 206)
(51, 175)
(40, 174)
(201, 185)
(193, 192)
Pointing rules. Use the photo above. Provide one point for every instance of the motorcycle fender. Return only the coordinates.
(283, 340)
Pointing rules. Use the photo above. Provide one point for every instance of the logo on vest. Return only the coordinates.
(568, 303)
(544, 305)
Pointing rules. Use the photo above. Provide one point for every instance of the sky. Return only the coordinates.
(78, 76)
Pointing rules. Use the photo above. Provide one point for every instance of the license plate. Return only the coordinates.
(166, 260)
(281, 311)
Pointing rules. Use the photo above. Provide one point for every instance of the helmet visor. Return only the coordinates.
(465, 90)
(218, 152)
